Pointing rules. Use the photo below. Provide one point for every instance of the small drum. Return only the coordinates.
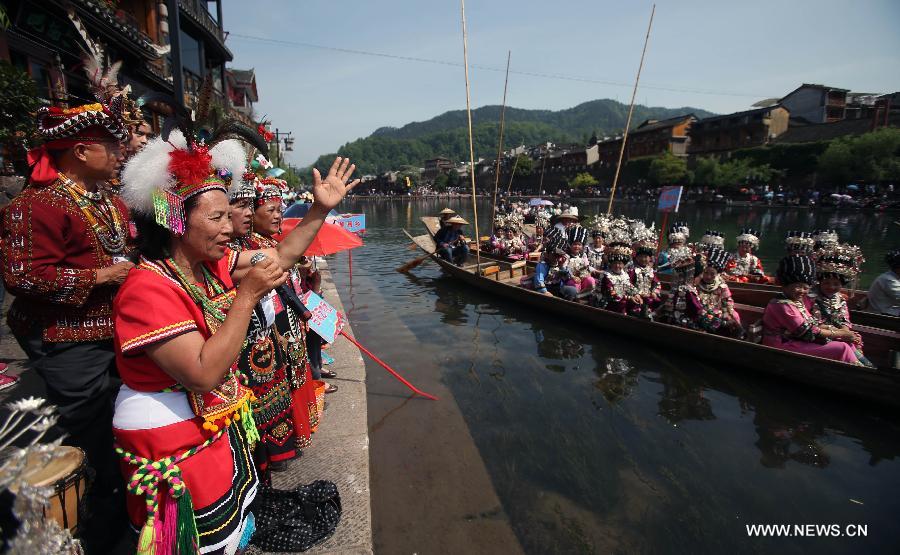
(66, 471)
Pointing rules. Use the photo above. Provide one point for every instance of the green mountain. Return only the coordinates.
(389, 148)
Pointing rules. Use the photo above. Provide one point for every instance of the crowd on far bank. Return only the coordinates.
(616, 264)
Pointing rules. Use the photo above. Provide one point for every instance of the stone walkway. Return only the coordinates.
(339, 450)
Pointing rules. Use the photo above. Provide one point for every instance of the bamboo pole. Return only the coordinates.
(612, 193)
(513, 174)
(471, 144)
(500, 145)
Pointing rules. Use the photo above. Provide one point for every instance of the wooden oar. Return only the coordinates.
(413, 263)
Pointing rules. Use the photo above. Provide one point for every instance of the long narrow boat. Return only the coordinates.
(881, 385)
(744, 293)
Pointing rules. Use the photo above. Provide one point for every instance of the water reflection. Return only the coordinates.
(784, 438)
(682, 399)
(599, 443)
(617, 378)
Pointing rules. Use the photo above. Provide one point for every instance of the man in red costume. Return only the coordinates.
(63, 246)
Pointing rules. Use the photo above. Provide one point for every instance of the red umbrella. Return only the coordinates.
(330, 239)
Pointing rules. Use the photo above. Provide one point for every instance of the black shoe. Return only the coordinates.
(278, 466)
(330, 374)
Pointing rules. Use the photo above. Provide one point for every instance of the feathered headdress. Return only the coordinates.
(178, 165)
(104, 77)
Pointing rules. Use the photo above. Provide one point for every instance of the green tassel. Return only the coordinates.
(188, 540)
(146, 541)
(249, 424)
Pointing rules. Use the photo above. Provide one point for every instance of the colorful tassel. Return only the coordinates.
(147, 540)
(249, 424)
(188, 539)
(170, 526)
(249, 529)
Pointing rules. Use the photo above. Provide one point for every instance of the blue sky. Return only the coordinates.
(718, 55)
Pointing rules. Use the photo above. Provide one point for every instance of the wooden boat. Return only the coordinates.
(881, 385)
(758, 294)
(753, 294)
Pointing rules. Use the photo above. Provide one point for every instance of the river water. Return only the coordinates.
(598, 443)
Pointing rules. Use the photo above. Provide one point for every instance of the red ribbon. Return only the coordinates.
(43, 168)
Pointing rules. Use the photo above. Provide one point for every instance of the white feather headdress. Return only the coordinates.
(149, 185)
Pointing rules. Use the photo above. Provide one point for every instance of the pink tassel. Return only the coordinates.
(169, 530)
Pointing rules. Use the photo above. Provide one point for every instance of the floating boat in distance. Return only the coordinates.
(881, 385)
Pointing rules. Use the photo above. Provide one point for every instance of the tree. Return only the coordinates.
(870, 157)
(410, 172)
(452, 178)
(440, 182)
(18, 101)
(582, 181)
(668, 169)
(707, 172)
(524, 165)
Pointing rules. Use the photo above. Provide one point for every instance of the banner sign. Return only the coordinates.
(354, 223)
(670, 198)
(325, 320)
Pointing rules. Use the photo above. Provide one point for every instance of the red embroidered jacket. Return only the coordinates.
(50, 257)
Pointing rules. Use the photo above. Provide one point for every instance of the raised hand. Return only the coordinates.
(330, 191)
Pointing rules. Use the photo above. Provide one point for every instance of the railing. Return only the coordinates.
(119, 20)
(198, 12)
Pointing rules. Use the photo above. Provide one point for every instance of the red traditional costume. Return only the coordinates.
(746, 267)
(187, 457)
(56, 235)
(156, 420)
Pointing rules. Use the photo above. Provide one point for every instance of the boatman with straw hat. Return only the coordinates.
(445, 215)
(451, 244)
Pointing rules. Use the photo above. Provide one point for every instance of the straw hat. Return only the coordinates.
(457, 220)
(447, 211)
(571, 213)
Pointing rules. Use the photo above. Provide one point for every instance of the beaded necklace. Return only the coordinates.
(101, 214)
(214, 308)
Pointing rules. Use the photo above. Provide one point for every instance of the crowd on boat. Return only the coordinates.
(161, 306)
(616, 264)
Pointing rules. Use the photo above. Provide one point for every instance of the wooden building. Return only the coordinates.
(43, 41)
(718, 135)
(650, 138)
(813, 103)
(436, 166)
